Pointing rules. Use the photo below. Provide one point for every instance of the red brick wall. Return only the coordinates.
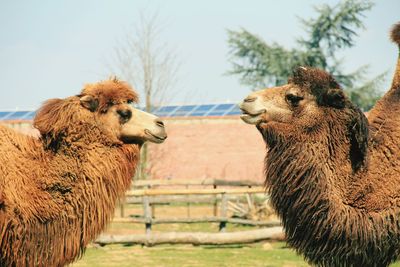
(208, 148)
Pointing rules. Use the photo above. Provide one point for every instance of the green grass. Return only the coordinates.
(270, 255)
(255, 255)
(184, 256)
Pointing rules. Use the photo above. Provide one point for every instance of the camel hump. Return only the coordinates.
(395, 33)
(395, 36)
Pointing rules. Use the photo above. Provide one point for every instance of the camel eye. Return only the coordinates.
(293, 100)
(130, 101)
(124, 115)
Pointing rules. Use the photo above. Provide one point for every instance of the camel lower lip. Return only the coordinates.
(250, 119)
(245, 112)
(158, 138)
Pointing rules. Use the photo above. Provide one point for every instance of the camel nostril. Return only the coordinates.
(159, 123)
(250, 99)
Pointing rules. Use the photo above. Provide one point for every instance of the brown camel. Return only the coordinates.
(333, 175)
(57, 193)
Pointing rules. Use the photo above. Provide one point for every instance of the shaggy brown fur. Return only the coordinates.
(334, 178)
(58, 193)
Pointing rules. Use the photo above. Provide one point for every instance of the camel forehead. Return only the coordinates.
(111, 91)
(312, 80)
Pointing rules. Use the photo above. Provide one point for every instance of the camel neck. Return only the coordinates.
(395, 88)
(308, 189)
(91, 185)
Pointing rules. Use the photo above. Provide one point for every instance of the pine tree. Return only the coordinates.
(260, 64)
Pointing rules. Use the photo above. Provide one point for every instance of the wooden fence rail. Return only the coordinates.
(205, 191)
(167, 196)
(222, 219)
(150, 239)
(221, 191)
(199, 220)
(194, 182)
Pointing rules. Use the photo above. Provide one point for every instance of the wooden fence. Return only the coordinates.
(150, 193)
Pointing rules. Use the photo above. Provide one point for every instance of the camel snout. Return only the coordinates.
(143, 127)
(252, 109)
(157, 134)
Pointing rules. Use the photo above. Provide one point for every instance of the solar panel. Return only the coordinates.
(216, 113)
(235, 111)
(201, 110)
(29, 116)
(225, 109)
(17, 115)
(224, 106)
(205, 107)
(165, 111)
(183, 111)
(3, 114)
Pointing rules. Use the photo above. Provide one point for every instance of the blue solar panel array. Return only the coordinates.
(17, 115)
(198, 110)
(205, 110)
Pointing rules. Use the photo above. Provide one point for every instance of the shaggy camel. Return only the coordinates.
(333, 175)
(58, 192)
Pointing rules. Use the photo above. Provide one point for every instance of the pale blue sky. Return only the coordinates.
(51, 48)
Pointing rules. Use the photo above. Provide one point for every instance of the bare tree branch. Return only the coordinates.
(150, 65)
(146, 62)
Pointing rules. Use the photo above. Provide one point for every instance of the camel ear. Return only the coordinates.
(89, 102)
(334, 98)
(358, 130)
(47, 121)
(46, 117)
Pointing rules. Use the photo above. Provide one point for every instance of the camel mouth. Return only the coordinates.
(252, 118)
(154, 137)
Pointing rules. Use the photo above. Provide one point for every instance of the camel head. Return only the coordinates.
(112, 102)
(108, 107)
(310, 104)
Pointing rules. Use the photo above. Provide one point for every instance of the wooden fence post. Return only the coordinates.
(147, 214)
(188, 205)
(121, 209)
(152, 205)
(224, 208)
(215, 202)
